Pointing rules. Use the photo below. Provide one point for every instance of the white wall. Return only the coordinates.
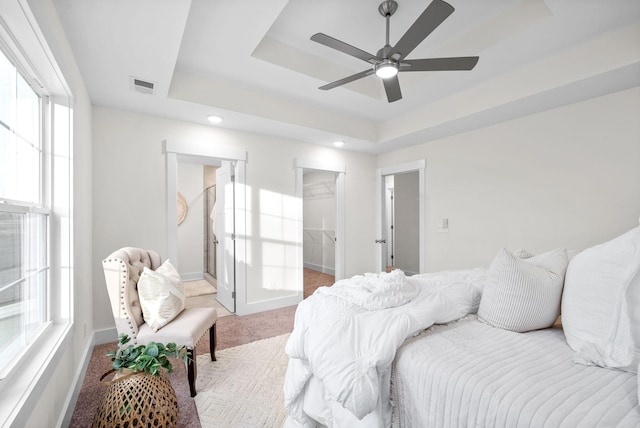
(129, 199)
(191, 232)
(564, 177)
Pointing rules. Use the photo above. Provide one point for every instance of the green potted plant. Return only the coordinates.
(150, 358)
(140, 394)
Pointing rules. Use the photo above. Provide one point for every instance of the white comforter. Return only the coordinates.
(345, 338)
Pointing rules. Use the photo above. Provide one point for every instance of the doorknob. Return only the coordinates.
(215, 241)
(381, 241)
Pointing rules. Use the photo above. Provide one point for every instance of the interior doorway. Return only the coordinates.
(401, 249)
(206, 230)
(401, 217)
(324, 180)
(206, 187)
(319, 227)
(230, 241)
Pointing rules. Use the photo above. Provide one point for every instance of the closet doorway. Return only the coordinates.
(400, 201)
(320, 188)
(319, 228)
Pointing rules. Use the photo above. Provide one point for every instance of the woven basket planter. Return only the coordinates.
(137, 399)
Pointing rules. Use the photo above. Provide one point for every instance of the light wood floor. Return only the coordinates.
(314, 279)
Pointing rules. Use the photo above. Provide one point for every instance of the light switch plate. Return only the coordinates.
(443, 226)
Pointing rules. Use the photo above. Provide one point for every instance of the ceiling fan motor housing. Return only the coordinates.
(387, 8)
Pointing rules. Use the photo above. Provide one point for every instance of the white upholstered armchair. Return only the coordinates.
(122, 269)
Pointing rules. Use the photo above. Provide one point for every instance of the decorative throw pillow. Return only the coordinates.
(600, 303)
(523, 254)
(161, 295)
(523, 294)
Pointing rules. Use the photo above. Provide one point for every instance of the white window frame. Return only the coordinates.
(40, 207)
(24, 43)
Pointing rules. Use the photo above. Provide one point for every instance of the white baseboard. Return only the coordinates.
(318, 268)
(100, 337)
(267, 305)
(192, 276)
(72, 398)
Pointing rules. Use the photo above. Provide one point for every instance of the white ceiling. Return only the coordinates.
(252, 62)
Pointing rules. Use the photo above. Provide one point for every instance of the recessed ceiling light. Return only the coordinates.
(214, 119)
(338, 143)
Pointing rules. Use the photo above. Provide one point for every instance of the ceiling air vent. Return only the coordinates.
(140, 85)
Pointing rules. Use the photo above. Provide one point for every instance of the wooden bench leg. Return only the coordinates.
(192, 371)
(212, 342)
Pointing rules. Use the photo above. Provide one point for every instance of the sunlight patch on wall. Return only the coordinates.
(279, 233)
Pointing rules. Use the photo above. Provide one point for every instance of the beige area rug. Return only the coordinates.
(244, 388)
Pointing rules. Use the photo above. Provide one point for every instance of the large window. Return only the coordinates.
(24, 216)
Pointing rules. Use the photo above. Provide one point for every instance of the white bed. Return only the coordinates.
(469, 374)
(504, 368)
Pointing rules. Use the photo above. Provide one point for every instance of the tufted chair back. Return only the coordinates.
(122, 269)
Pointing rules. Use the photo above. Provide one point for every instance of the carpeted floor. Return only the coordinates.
(232, 330)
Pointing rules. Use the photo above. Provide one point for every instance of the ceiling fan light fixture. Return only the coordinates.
(386, 69)
(387, 62)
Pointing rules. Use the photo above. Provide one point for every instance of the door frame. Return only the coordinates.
(199, 152)
(340, 169)
(419, 166)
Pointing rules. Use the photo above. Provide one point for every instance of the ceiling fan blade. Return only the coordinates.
(430, 19)
(439, 64)
(341, 46)
(347, 80)
(392, 88)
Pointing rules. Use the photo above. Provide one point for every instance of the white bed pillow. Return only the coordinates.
(523, 294)
(161, 295)
(600, 304)
(523, 254)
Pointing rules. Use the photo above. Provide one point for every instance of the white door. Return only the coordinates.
(388, 239)
(225, 235)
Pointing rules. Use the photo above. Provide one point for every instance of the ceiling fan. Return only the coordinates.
(392, 59)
